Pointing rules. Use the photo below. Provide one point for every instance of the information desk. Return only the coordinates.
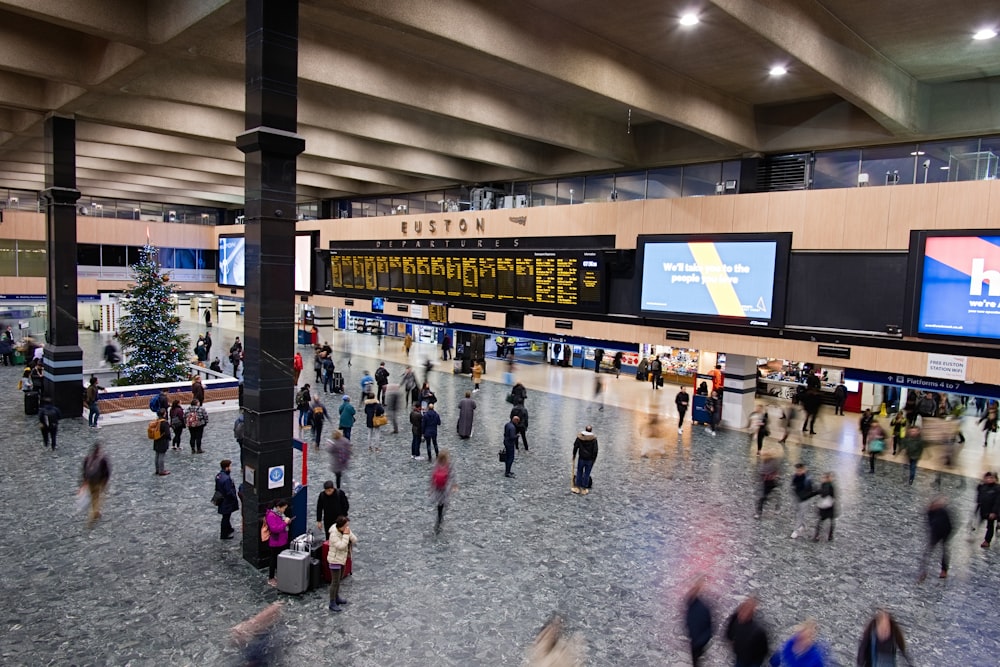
(571, 280)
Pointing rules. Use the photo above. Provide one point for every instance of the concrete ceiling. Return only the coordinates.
(419, 95)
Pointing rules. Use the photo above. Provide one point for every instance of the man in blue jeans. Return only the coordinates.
(914, 446)
(585, 446)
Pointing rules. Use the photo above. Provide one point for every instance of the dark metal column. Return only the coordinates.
(271, 147)
(63, 356)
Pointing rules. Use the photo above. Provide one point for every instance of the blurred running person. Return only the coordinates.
(939, 529)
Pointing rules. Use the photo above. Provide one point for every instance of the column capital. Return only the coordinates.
(56, 195)
(271, 140)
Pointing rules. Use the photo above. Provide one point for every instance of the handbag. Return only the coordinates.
(379, 420)
(217, 498)
(876, 446)
(510, 398)
(502, 455)
(265, 532)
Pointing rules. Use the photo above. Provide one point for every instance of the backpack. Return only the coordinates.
(176, 422)
(440, 478)
(265, 532)
(154, 403)
(191, 419)
(153, 429)
(302, 401)
(318, 414)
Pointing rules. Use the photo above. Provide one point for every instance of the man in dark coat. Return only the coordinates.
(746, 636)
(230, 501)
(509, 442)
(381, 380)
(585, 446)
(939, 528)
(48, 418)
(988, 505)
(521, 413)
(330, 504)
(698, 621)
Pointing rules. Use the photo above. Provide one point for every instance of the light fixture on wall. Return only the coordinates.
(689, 19)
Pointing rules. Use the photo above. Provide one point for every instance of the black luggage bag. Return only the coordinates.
(31, 402)
(338, 383)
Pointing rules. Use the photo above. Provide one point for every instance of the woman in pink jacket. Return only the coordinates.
(277, 524)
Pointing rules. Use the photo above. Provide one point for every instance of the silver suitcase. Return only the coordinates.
(293, 572)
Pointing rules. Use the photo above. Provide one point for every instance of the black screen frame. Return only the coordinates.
(218, 249)
(779, 287)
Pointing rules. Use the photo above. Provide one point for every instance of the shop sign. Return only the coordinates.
(946, 366)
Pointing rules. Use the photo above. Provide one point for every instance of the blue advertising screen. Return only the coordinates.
(231, 269)
(714, 279)
(960, 287)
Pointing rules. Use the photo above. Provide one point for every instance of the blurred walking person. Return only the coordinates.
(876, 443)
(96, 475)
(746, 636)
(881, 640)
(826, 506)
(442, 484)
(339, 449)
(801, 649)
(682, 400)
(987, 506)
(939, 529)
(552, 648)
(698, 621)
(768, 473)
(802, 488)
(913, 444)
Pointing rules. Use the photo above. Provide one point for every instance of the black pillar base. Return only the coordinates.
(63, 381)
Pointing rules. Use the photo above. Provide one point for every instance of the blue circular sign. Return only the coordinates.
(276, 474)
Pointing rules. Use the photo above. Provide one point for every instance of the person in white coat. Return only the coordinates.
(341, 541)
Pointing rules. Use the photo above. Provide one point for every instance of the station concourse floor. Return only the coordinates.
(152, 584)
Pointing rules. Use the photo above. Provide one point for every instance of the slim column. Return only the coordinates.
(271, 146)
(740, 389)
(325, 321)
(63, 357)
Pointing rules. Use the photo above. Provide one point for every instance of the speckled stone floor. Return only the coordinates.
(153, 585)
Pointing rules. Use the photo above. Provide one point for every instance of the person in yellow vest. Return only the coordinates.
(407, 342)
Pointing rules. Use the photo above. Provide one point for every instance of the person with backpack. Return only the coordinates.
(586, 447)
(442, 484)
(158, 431)
(96, 475)
(176, 419)
(317, 417)
(48, 418)
(91, 396)
(196, 418)
(429, 426)
(655, 372)
(159, 402)
(328, 368)
(302, 404)
(346, 413)
(381, 380)
(521, 413)
(367, 383)
(228, 499)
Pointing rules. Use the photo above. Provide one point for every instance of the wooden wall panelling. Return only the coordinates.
(963, 205)
(717, 214)
(687, 215)
(866, 219)
(910, 207)
(787, 213)
(983, 370)
(656, 216)
(901, 361)
(824, 214)
(750, 212)
(993, 210)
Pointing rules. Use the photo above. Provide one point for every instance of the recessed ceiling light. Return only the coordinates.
(985, 33)
(689, 19)
(778, 70)
(944, 168)
(916, 153)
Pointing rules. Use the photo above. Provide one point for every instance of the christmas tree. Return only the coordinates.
(154, 350)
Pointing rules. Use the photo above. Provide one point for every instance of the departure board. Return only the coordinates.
(570, 280)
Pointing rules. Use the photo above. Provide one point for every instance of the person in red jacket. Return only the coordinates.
(297, 367)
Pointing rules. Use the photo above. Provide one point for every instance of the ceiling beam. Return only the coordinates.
(521, 35)
(855, 71)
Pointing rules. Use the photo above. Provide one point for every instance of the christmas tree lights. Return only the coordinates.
(154, 350)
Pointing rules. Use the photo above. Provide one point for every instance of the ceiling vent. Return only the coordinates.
(780, 173)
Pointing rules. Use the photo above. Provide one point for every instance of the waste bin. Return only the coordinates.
(303, 337)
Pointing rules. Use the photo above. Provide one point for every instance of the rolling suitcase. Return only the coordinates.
(338, 383)
(316, 568)
(31, 402)
(293, 571)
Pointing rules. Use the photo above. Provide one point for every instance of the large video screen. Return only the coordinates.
(957, 283)
(568, 280)
(232, 268)
(732, 278)
(303, 262)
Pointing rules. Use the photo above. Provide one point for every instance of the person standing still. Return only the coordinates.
(416, 431)
(521, 413)
(429, 425)
(161, 443)
(296, 368)
(96, 475)
(655, 372)
(509, 442)
(839, 398)
(93, 390)
(682, 400)
(196, 418)
(341, 541)
(585, 446)
(330, 505)
(230, 500)
(208, 318)
(277, 541)
(198, 389)
(446, 347)
(381, 381)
